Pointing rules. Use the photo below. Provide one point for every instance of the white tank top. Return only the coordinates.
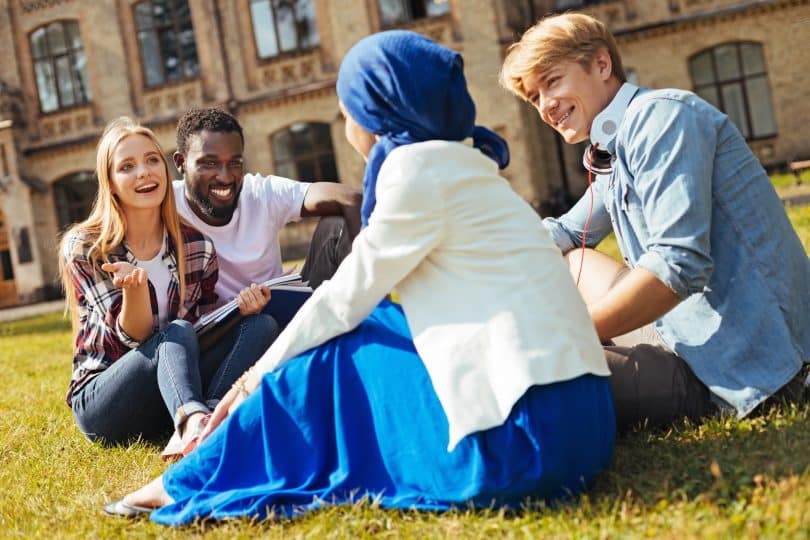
(160, 276)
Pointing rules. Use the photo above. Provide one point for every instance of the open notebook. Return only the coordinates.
(288, 293)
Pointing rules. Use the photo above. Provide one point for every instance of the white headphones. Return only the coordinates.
(598, 157)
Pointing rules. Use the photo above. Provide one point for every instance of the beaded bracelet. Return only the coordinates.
(240, 385)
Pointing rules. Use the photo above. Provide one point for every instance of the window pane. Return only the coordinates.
(182, 13)
(759, 103)
(307, 24)
(74, 38)
(56, 39)
(288, 170)
(392, 12)
(437, 7)
(281, 146)
(160, 10)
(752, 60)
(328, 169)
(5, 262)
(80, 76)
(300, 138)
(150, 53)
(307, 171)
(168, 45)
(65, 81)
(143, 16)
(285, 19)
(709, 93)
(46, 85)
(734, 106)
(727, 62)
(264, 29)
(188, 47)
(39, 47)
(74, 197)
(321, 138)
(700, 67)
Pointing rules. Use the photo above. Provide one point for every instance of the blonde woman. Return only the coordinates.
(135, 280)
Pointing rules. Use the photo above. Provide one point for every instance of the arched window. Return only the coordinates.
(304, 152)
(74, 195)
(395, 12)
(60, 66)
(282, 26)
(166, 41)
(733, 77)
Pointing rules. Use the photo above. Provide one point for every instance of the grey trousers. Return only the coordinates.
(651, 384)
(330, 245)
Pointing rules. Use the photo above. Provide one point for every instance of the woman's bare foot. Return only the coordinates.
(152, 495)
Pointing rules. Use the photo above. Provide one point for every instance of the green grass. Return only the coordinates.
(724, 479)
(783, 180)
(799, 216)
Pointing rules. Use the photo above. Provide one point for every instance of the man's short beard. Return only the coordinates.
(218, 212)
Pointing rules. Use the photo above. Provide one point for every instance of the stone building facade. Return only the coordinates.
(70, 66)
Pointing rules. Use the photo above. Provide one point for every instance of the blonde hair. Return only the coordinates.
(105, 229)
(573, 37)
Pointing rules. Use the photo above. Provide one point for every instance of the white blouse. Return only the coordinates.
(488, 298)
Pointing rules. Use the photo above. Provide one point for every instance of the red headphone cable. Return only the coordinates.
(590, 211)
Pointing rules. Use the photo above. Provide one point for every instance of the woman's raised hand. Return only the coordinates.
(126, 275)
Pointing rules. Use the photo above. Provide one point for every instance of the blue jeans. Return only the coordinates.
(167, 379)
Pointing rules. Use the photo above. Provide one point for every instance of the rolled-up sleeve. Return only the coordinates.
(672, 159)
(567, 231)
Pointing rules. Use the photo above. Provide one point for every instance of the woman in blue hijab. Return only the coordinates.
(485, 386)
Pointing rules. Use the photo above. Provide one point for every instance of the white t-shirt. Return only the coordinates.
(160, 276)
(247, 247)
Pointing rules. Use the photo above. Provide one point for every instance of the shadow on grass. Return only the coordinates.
(720, 460)
(41, 324)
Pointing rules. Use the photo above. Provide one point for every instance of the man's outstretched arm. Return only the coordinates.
(334, 199)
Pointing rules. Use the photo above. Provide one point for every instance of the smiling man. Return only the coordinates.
(243, 213)
(713, 304)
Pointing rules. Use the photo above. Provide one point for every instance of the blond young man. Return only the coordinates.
(713, 305)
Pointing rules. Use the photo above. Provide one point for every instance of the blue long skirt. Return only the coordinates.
(358, 417)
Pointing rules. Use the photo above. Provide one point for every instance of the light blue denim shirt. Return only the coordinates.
(690, 202)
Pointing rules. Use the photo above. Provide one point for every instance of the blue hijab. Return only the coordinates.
(405, 88)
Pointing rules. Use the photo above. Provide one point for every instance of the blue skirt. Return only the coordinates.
(358, 417)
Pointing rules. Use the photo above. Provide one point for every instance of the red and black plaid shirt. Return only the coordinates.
(100, 340)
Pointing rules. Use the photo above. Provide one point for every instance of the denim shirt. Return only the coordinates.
(690, 202)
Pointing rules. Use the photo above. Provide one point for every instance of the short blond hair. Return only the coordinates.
(569, 36)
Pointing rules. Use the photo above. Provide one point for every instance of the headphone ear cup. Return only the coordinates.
(597, 161)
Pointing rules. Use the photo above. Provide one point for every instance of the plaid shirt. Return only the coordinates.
(100, 340)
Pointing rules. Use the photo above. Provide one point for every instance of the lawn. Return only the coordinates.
(725, 478)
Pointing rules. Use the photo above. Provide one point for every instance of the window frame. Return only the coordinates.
(412, 19)
(70, 53)
(155, 30)
(717, 84)
(309, 156)
(281, 54)
(61, 185)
